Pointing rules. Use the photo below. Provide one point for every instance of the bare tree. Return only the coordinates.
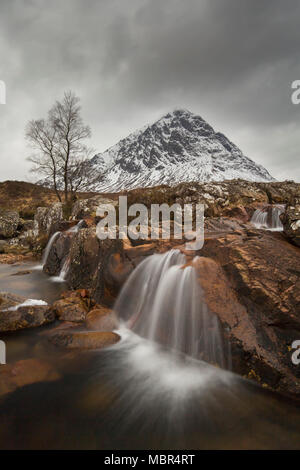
(42, 136)
(62, 154)
(65, 117)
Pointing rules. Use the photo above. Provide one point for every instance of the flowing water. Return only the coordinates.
(33, 285)
(64, 271)
(66, 265)
(49, 246)
(163, 302)
(268, 218)
(139, 393)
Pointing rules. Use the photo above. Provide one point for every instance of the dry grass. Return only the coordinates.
(26, 197)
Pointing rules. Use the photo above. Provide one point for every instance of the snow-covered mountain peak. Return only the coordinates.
(180, 146)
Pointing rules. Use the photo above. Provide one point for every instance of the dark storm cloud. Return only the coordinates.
(231, 61)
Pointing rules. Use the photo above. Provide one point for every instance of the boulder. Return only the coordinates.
(291, 223)
(72, 309)
(28, 316)
(9, 222)
(252, 283)
(45, 217)
(101, 319)
(84, 339)
(92, 265)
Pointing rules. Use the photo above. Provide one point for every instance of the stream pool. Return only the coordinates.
(133, 395)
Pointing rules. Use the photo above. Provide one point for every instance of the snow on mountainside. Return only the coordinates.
(179, 147)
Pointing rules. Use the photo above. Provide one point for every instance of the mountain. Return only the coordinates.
(180, 146)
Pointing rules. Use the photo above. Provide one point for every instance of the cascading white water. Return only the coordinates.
(54, 237)
(49, 246)
(47, 251)
(28, 303)
(76, 228)
(65, 268)
(268, 218)
(163, 302)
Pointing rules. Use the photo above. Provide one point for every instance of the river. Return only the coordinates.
(133, 395)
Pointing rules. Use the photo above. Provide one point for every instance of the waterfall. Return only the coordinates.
(47, 251)
(49, 246)
(76, 228)
(64, 270)
(163, 302)
(66, 265)
(268, 217)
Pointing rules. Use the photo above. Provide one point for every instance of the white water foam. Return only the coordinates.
(268, 218)
(28, 303)
(163, 302)
(64, 271)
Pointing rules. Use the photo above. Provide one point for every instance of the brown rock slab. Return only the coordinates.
(101, 319)
(26, 317)
(84, 339)
(252, 283)
(70, 309)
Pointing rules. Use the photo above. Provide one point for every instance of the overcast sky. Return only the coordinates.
(131, 61)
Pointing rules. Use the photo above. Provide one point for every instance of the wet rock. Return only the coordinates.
(222, 225)
(84, 339)
(101, 319)
(92, 264)
(8, 300)
(25, 372)
(62, 226)
(58, 253)
(239, 213)
(62, 326)
(45, 217)
(85, 258)
(291, 224)
(71, 309)
(28, 316)
(9, 222)
(136, 254)
(253, 284)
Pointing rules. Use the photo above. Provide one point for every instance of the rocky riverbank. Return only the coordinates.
(250, 277)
